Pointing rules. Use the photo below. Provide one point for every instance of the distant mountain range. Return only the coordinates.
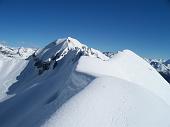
(18, 52)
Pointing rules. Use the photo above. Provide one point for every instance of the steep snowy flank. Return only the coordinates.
(167, 62)
(162, 66)
(56, 51)
(112, 102)
(109, 101)
(12, 63)
(21, 52)
(67, 84)
(49, 76)
(128, 66)
(9, 70)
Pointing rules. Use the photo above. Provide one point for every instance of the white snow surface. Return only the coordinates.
(112, 102)
(64, 45)
(9, 69)
(84, 89)
(19, 53)
(160, 65)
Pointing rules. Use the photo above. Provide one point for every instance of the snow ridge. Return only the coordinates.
(63, 46)
(56, 51)
(161, 65)
(67, 84)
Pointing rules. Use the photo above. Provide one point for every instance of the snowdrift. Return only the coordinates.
(67, 84)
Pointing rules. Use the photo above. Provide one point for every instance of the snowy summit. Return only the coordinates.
(63, 46)
(68, 84)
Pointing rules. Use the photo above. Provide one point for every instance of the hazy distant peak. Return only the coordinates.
(11, 52)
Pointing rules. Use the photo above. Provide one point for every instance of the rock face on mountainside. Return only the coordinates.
(109, 54)
(68, 84)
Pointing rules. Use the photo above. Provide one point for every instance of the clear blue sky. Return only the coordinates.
(108, 25)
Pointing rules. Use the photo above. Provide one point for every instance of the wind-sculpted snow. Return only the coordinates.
(112, 102)
(36, 96)
(162, 66)
(119, 96)
(128, 66)
(67, 84)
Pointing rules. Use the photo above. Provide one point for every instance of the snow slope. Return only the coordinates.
(67, 84)
(124, 93)
(127, 65)
(162, 66)
(112, 102)
(9, 69)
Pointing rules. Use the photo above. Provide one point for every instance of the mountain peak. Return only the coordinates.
(67, 42)
(65, 45)
(74, 42)
(67, 50)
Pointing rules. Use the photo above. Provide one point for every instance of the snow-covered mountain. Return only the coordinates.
(67, 84)
(161, 65)
(21, 52)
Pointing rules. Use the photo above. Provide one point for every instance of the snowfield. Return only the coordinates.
(67, 84)
(112, 102)
(9, 69)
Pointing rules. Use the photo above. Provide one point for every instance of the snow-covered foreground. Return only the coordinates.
(67, 84)
(112, 102)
